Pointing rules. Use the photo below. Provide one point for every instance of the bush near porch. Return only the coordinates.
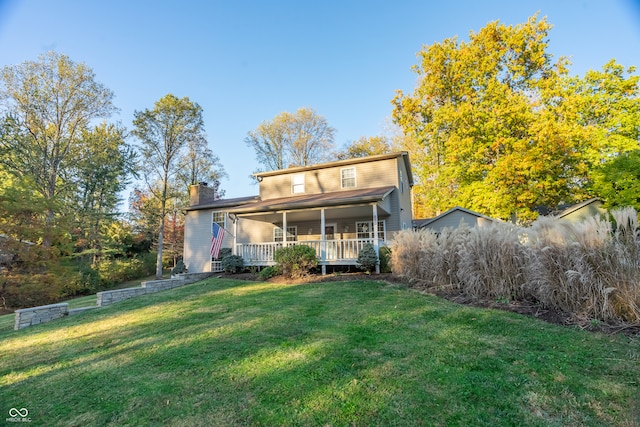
(295, 261)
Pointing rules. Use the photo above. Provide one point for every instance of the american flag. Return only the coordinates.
(217, 235)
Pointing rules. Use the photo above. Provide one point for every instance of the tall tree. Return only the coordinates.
(300, 139)
(48, 104)
(103, 164)
(495, 124)
(164, 133)
(609, 104)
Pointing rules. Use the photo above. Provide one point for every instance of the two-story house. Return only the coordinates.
(334, 207)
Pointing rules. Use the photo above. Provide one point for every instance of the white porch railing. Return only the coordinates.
(216, 266)
(328, 251)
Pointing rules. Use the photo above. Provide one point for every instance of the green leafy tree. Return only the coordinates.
(484, 120)
(165, 133)
(497, 127)
(609, 105)
(48, 105)
(299, 139)
(618, 181)
(104, 162)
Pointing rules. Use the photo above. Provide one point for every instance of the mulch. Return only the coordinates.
(532, 308)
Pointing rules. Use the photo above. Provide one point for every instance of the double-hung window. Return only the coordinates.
(292, 234)
(297, 183)
(364, 230)
(219, 217)
(348, 177)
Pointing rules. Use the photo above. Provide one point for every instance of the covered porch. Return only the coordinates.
(329, 252)
(336, 226)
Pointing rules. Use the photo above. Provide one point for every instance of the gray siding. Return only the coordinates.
(455, 218)
(373, 174)
(592, 209)
(258, 228)
(197, 238)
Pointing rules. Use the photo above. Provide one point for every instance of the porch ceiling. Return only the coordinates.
(333, 213)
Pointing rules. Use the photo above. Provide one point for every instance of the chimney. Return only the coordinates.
(201, 193)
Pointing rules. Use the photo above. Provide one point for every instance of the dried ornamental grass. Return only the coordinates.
(492, 263)
(585, 269)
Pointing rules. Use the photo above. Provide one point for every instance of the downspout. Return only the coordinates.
(323, 243)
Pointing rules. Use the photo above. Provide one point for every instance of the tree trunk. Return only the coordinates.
(159, 259)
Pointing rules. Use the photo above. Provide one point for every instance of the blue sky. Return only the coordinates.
(246, 61)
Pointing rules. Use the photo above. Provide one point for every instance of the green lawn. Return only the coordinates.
(7, 321)
(227, 352)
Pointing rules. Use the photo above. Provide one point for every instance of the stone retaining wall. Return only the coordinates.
(36, 315)
(45, 313)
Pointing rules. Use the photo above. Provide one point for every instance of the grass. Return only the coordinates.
(227, 352)
(7, 321)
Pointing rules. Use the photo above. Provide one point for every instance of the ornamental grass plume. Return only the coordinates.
(590, 270)
(493, 262)
(407, 255)
(428, 257)
(586, 269)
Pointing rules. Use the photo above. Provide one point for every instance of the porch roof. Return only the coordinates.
(310, 201)
(224, 203)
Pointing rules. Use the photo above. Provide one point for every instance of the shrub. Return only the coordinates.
(232, 264)
(224, 252)
(590, 270)
(180, 268)
(120, 270)
(19, 291)
(268, 272)
(296, 260)
(367, 258)
(384, 253)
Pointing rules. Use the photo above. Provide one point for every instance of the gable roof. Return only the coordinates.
(356, 160)
(578, 206)
(426, 222)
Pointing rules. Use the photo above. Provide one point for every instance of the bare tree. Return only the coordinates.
(299, 139)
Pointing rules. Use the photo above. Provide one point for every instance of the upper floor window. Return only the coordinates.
(348, 177)
(292, 234)
(297, 183)
(219, 217)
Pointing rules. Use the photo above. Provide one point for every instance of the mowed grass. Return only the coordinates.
(227, 352)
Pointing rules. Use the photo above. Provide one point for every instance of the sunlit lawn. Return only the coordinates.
(7, 321)
(226, 352)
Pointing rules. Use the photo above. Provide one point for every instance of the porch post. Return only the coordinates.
(375, 236)
(323, 243)
(284, 229)
(235, 236)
